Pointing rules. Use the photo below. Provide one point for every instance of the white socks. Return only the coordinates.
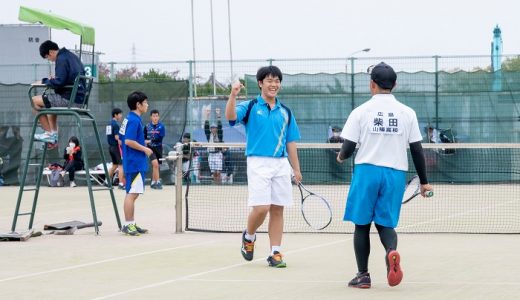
(250, 237)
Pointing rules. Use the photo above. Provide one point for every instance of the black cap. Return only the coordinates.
(336, 129)
(186, 135)
(384, 76)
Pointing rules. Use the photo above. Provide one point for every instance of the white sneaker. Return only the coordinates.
(47, 137)
(72, 184)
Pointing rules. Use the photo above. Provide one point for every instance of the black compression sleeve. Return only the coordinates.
(416, 151)
(347, 149)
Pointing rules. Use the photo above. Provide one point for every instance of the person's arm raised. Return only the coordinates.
(231, 113)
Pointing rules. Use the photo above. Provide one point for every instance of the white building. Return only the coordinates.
(20, 60)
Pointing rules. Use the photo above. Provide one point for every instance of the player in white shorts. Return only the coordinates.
(271, 154)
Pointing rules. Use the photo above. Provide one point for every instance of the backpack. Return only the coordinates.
(55, 179)
(253, 102)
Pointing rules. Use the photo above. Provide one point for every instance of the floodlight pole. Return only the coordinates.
(352, 58)
(230, 45)
(213, 49)
(194, 80)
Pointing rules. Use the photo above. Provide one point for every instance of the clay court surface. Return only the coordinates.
(193, 265)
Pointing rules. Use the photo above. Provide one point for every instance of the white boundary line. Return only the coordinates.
(188, 277)
(456, 283)
(101, 262)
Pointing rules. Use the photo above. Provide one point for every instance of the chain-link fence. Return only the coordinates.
(460, 96)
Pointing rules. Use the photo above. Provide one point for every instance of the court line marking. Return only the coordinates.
(343, 281)
(102, 262)
(187, 277)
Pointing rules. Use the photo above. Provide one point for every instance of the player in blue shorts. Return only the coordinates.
(271, 135)
(135, 162)
(383, 128)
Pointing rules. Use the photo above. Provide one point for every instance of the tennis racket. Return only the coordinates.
(315, 209)
(413, 188)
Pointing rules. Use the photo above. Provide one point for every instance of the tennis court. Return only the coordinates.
(196, 265)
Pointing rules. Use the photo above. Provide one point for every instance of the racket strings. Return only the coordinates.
(412, 188)
(316, 212)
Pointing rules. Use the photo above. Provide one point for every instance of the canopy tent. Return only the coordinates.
(86, 33)
(32, 15)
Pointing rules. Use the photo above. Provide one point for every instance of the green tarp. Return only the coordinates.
(32, 15)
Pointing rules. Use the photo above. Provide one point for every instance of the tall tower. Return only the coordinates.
(496, 50)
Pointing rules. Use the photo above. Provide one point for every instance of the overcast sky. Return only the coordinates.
(161, 29)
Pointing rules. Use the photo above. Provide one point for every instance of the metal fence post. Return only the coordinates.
(191, 82)
(112, 72)
(178, 192)
(352, 88)
(436, 57)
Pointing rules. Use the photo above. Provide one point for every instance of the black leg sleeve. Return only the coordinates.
(362, 246)
(388, 237)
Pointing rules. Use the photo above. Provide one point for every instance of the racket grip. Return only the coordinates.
(428, 194)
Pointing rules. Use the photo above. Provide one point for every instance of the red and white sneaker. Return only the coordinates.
(395, 274)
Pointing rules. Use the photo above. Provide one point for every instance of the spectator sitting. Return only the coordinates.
(73, 160)
(433, 135)
(336, 138)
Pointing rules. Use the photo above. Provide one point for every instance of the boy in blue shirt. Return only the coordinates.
(154, 133)
(271, 158)
(67, 67)
(135, 163)
(114, 146)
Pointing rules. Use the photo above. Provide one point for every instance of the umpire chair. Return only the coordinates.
(81, 115)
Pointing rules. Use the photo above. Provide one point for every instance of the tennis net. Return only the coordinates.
(476, 189)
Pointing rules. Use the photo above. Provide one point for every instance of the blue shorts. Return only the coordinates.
(375, 195)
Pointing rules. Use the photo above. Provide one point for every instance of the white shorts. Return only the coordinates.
(269, 181)
(134, 183)
(215, 161)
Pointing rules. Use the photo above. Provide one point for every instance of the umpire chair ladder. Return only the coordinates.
(81, 115)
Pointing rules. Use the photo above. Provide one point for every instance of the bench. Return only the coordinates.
(95, 175)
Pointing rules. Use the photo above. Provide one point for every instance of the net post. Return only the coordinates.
(178, 193)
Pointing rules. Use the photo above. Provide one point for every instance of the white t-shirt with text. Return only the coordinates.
(382, 127)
